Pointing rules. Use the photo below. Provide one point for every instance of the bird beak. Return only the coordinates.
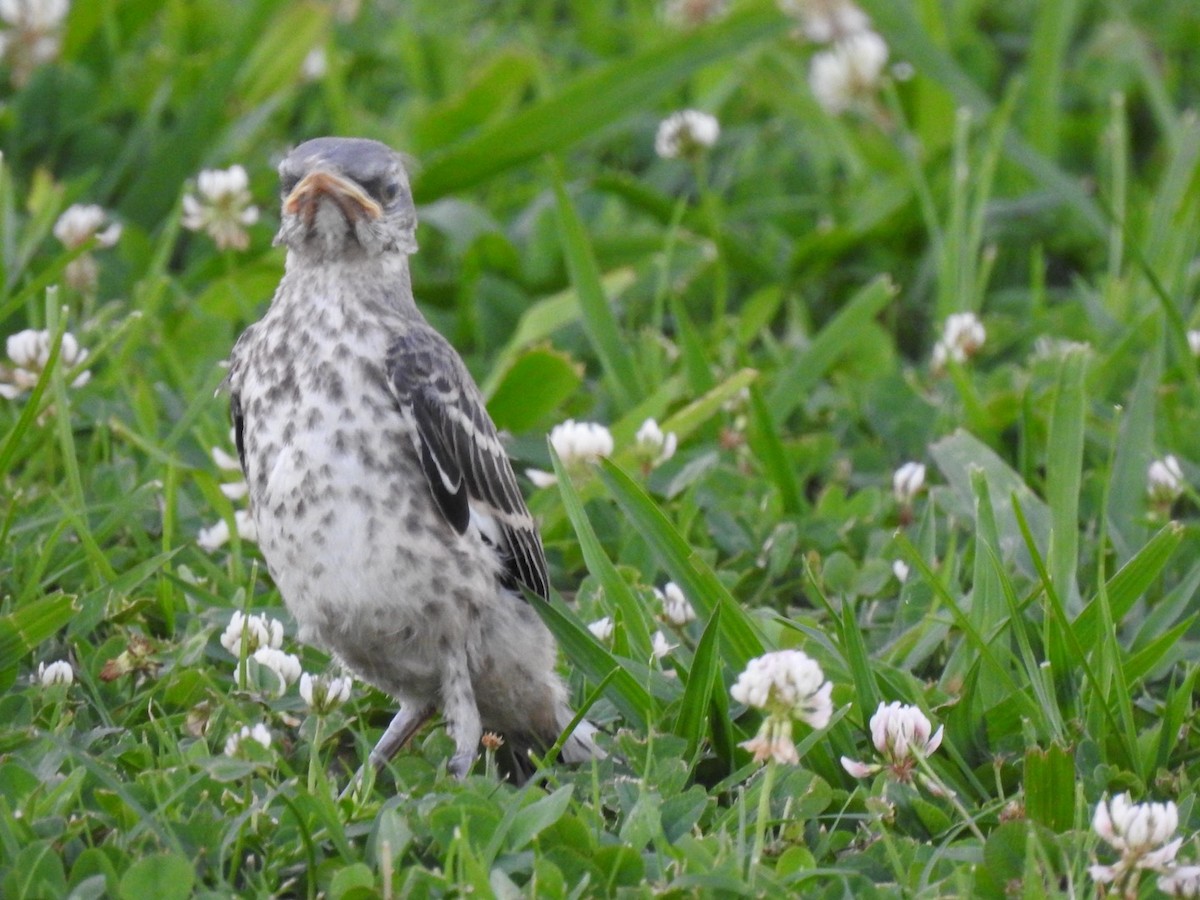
(351, 200)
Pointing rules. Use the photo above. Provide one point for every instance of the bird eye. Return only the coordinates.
(391, 191)
(287, 182)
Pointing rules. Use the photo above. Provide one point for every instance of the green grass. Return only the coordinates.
(774, 303)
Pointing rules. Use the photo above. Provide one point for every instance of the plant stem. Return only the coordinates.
(760, 819)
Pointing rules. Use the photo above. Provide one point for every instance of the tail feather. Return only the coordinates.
(580, 746)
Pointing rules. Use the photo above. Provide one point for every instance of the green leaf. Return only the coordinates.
(530, 821)
(630, 610)
(532, 388)
(768, 446)
(839, 336)
(740, 640)
(599, 321)
(957, 456)
(703, 679)
(22, 630)
(1064, 461)
(1130, 582)
(1050, 787)
(580, 646)
(163, 876)
(276, 61)
(593, 100)
(37, 871)
(543, 319)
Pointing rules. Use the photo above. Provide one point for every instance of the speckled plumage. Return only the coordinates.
(386, 509)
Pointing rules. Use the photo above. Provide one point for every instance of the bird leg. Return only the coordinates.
(403, 726)
(462, 716)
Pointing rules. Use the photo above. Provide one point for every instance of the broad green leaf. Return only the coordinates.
(543, 319)
(530, 821)
(534, 387)
(163, 876)
(1050, 786)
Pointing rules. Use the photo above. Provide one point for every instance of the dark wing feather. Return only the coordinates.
(461, 454)
(239, 427)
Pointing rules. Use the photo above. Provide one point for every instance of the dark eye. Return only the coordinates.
(391, 190)
(287, 182)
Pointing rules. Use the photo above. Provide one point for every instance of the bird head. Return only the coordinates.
(345, 196)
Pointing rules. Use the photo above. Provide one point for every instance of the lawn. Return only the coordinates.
(873, 539)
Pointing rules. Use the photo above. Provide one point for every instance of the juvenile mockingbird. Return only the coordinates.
(387, 509)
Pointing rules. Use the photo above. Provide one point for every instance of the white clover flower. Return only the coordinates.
(1193, 339)
(602, 629)
(285, 666)
(1181, 881)
(315, 65)
(686, 133)
(787, 685)
(324, 693)
(217, 536)
(1164, 480)
(32, 35)
(58, 672)
(677, 609)
(575, 444)
(652, 446)
(900, 570)
(848, 74)
(1143, 833)
(224, 207)
(694, 12)
(262, 631)
(29, 352)
(901, 734)
(660, 646)
(907, 482)
(826, 20)
(79, 223)
(962, 336)
(259, 733)
(75, 227)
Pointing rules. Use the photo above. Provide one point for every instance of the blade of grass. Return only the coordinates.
(740, 639)
(1064, 461)
(592, 101)
(632, 611)
(599, 321)
(704, 678)
(839, 335)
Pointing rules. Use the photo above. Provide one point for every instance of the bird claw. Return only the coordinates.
(460, 764)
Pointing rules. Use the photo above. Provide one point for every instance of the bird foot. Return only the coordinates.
(460, 764)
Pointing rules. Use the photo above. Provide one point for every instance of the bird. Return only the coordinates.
(386, 507)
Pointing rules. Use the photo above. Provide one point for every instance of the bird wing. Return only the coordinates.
(239, 427)
(468, 471)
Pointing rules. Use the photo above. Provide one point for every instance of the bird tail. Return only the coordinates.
(580, 745)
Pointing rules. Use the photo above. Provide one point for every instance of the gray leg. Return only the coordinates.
(462, 716)
(402, 727)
